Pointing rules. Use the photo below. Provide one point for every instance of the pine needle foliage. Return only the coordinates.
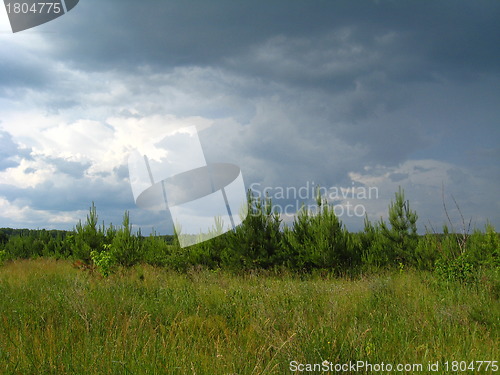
(319, 240)
(401, 236)
(256, 243)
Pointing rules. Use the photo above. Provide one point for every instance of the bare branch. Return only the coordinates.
(446, 210)
(463, 237)
(460, 212)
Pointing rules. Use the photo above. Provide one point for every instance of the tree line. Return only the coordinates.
(315, 242)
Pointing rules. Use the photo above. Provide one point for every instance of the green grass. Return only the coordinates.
(55, 319)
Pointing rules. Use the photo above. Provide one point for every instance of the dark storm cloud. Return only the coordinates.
(299, 91)
(396, 177)
(21, 75)
(23, 68)
(10, 149)
(71, 168)
(121, 172)
(180, 32)
(7, 149)
(449, 37)
(111, 200)
(49, 196)
(363, 62)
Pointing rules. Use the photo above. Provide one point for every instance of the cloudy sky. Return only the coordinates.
(344, 94)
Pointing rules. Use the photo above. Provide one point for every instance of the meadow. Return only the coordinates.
(57, 318)
(261, 299)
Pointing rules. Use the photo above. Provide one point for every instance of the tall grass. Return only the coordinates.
(56, 319)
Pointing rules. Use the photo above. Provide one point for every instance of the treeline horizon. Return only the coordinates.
(315, 241)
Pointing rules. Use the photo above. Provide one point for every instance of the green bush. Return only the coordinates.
(402, 234)
(459, 260)
(208, 253)
(374, 248)
(428, 251)
(179, 259)
(484, 248)
(104, 260)
(54, 247)
(88, 237)
(21, 247)
(4, 238)
(394, 243)
(155, 250)
(256, 243)
(315, 243)
(460, 269)
(320, 241)
(126, 247)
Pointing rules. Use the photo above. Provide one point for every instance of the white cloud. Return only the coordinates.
(20, 215)
(29, 173)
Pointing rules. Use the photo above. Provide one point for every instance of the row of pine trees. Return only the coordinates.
(314, 242)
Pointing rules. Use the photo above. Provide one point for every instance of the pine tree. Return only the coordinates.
(402, 235)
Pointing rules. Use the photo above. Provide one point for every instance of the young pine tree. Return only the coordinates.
(402, 234)
(87, 237)
(126, 247)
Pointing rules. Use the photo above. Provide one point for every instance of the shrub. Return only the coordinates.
(179, 259)
(21, 247)
(484, 248)
(103, 260)
(88, 237)
(126, 248)
(320, 241)
(375, 247)
(4, 238)
(402, 237)
(459, 269)
(256, 243)
(155, 250)
(208, 253)
(428, 251)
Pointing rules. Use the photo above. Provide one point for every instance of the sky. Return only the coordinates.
(357, 97)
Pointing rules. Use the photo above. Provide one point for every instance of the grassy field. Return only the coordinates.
(56, 319)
